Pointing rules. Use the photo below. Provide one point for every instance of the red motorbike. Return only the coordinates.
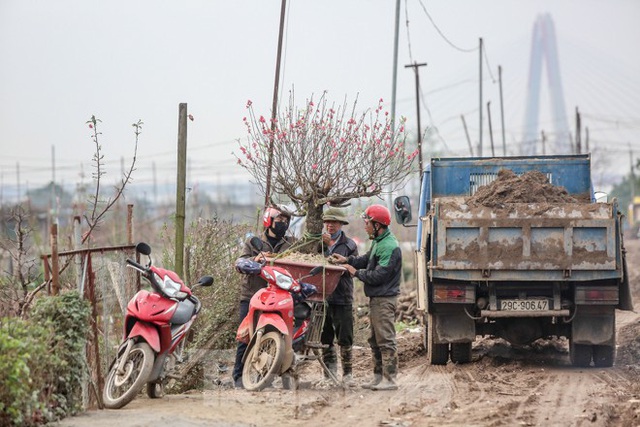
(278, 326)
(155, 326)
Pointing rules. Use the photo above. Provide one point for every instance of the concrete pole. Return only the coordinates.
(274, 106)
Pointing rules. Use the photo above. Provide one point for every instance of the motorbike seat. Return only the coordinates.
(184, 312)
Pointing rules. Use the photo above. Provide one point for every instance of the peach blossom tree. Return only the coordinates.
(325, 154)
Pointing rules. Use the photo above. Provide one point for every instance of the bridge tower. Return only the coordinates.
(544, 51)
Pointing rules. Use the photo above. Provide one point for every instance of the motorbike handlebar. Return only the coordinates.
(139, 267)
(196, 301)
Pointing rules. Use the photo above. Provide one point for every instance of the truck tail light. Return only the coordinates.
(597, 295)
(454, 294)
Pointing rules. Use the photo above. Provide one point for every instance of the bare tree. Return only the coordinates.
(98, 205)
(16, 284)
(323, 154)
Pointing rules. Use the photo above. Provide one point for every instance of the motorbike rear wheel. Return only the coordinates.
(155, 390)
(269, 355)
(119, 390)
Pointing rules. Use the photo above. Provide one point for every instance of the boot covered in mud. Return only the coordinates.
(347, 366)
(389, 372)
(330, 358)
(377, 370)
(377, 379)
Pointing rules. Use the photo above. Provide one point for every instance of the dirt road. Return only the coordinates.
(503, 386)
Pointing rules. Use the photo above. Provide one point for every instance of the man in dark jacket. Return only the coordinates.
(274, 241)
(338, 323)
(380, 271)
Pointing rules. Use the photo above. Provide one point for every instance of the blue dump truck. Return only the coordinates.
(520, 271)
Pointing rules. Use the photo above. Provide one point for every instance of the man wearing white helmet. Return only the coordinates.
(276, 223)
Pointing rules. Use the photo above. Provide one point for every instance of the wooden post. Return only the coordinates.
(181, 190)
(77, 244)
(55, 284)
(129, 223)
(94, 344)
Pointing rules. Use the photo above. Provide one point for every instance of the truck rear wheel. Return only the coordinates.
(603, 355)
(437, 354)
(461, 352)
(580, 354)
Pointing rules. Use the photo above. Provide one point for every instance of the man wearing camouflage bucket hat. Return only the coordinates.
(338, 324)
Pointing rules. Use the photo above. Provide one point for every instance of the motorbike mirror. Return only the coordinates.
(256, 242)
(205, 281)
(315, 270)
(402, 208)
(143, 248)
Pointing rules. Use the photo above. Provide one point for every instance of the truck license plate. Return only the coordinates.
(524, 304)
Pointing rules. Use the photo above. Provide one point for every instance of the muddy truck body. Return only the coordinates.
(518, 271)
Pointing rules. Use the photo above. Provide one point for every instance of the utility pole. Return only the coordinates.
(544, 140)
(466, 132)
(54, 204)
(395, 66)
(504, 143)
(18, 183)
(578, 131)
(632, 181)
(415, 67)
(586, 139)
(493, 151)
(274, 106)
(480, 107)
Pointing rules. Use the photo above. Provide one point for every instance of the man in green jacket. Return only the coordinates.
(380, 271)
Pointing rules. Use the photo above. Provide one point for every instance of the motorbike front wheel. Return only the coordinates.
(263, 362)
(120, 389)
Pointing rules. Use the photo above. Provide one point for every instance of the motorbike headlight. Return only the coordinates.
(169, 287)
(283, 281)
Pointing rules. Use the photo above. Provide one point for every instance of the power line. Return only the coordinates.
(442, 34)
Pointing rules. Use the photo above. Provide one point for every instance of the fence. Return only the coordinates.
(101, 276)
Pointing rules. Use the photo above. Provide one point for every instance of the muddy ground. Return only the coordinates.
(503, 386)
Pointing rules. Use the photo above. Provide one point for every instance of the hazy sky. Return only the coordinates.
(64, 60)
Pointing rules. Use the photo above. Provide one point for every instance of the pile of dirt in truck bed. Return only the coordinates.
(531, 187)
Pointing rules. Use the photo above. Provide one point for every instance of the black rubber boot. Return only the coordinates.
(389, 372)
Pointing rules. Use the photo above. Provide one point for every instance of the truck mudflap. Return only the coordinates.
(626, 301)
(594, 326)
(519, 241)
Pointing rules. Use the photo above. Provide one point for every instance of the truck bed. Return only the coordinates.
(518, 241)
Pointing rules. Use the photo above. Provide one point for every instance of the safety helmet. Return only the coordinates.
(271, 213)
(335, 214)
(377, 213)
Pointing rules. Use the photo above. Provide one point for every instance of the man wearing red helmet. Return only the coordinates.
(379, 270)
(276, 223)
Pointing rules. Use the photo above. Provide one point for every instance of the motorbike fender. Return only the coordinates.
(244, 330)
(147, 333)
(272, 320)
(158, 368)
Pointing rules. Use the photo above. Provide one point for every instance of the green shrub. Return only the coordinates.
(25, 375)
(212, 247)
(42, 361)
(68, 315)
